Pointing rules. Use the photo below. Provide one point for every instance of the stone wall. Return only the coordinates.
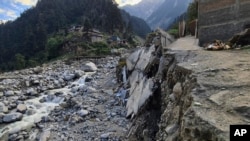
(221, 19)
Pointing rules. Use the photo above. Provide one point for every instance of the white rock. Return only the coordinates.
(89, 67)
(83, 113)
(105, 136)
(21, 108)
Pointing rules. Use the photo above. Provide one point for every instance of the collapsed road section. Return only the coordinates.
(179, 92)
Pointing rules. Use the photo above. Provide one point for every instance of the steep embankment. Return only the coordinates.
(181, 92)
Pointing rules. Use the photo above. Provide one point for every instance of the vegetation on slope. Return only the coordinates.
(33, 38)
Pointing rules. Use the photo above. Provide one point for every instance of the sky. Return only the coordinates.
(11, 9)
(125, 2)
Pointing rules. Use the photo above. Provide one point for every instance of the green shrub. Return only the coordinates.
(19, 61)
(174, 32)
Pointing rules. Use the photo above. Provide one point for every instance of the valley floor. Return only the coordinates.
(75, 101)
(63, 101)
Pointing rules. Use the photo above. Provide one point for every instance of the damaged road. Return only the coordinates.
(195, 96)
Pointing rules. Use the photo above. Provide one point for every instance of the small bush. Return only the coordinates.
(174, 32)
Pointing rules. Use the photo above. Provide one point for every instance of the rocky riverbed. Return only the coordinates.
(63, 100)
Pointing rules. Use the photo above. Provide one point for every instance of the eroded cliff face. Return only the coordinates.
(162, 98)
(159, 91)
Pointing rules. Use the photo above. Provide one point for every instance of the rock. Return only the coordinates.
(171, 129)
(4, 135)
(142, 91)
(79, 73)
(36, 82)
(88, 79)
(177, 90)
(172, 97)
(38, 70)
(3, 108)
(32, 92)
(1, 94)
(45, 136)
(105, 136)
(197, 104)
(219, 98)
(12, 117)
(21, 108)
(83, 113)
(68, 77)
(9, 93)
(91, 90)
(89, 67)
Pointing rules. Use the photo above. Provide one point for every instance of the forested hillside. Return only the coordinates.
(135, 24)
(23, 41)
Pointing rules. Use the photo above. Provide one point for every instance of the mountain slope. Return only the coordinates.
(25, 38)
(143, 9)
(158, 13)
(167, 12)
(135, 24)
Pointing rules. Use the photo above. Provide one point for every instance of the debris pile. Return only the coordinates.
(217, 45)
(238, 40)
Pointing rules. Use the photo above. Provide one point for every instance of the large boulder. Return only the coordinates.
(13, 117)
(21, 108)
(9, 93)
(89, 67)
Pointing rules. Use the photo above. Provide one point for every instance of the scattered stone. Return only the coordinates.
(3, 108)
(27, 83)
(68, 77)
(21, 108)
(89, 67)
(45, 136)
(105, 136)
(1, 94)
(197, 104)
(83, 113)
(12, 117)
(177, 90)
(91, 90)
(79, 73)
(36, 82)
(9, 93)
(38, 70)
(32, 92)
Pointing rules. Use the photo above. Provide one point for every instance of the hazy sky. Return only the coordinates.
(11, 9)
(124, 2)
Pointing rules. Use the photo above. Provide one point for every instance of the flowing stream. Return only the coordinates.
(39, 109)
